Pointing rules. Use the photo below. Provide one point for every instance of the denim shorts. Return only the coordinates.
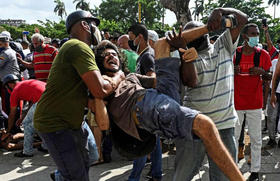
(162, 115)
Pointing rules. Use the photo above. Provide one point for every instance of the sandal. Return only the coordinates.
(21, 155)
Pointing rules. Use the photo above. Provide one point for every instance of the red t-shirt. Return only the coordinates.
(248, 92)
(27, 90)
(272, 51)
(43, 61)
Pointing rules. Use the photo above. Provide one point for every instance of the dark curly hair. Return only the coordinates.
(101, 47)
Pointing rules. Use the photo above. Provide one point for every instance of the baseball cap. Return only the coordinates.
(5, 36)
(152, 35)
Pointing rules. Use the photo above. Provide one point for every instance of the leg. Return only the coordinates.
(189, 158)
(227, 136)
(204, 127)
(138, 166)
(271, 118)
(69, 150)
(156, 159)
(93, 151)
(254, 127)
(29, 131)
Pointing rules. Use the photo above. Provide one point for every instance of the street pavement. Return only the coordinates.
(41, 165)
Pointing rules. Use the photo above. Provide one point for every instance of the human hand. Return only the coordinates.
(176, 40)
(19, 57)
(273, 100)
(236, 69)
(214, 20)
(265, 28)
(256, 71)
(189, 55)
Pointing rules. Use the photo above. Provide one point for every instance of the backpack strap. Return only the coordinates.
(257, 57)
(274, 54)
(238, 56)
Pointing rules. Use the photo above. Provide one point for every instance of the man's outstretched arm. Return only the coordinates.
(204, 127)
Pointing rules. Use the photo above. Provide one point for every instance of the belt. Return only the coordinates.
(133, 113)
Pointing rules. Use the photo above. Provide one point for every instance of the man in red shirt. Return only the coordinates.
(272, 50)
(27, 90)
(42, 58)
(251, 65)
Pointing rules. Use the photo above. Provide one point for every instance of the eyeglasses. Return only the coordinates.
(105, 54)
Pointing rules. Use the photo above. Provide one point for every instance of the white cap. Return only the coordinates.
(152, 35)
(6, 34)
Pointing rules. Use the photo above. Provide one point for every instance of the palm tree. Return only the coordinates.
(274, 3)
(82, 4)
(60, 8)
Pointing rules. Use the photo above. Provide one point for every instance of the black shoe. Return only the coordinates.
(272, 143)
(254, 176)
(41, 149)
(52, 175)
(21, 155)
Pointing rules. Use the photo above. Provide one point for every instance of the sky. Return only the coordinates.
(33, 10)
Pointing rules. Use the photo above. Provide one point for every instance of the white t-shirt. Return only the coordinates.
(272, 69)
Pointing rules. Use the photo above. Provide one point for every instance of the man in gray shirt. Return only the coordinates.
(8, 59)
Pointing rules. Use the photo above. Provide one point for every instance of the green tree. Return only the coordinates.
(125, 12)
(180, 8)
(60, 8)
(198, 9)
(82, 4)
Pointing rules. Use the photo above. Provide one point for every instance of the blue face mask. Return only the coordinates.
(253, 41)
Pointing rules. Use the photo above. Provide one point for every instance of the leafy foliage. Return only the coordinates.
(49, 28)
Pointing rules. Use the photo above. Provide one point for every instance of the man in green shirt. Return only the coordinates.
(130, 55)
(59, 112)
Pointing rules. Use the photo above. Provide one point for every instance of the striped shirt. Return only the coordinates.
(214, 93)
(43, 61)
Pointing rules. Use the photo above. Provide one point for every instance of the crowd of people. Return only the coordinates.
(201, 92)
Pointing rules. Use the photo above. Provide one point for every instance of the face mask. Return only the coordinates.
(131, 45)
(253, 41)
(277, 46)
(39, 48)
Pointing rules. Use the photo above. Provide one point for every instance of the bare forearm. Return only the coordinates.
(11, 120)
(28, 65)
(207, 131)
(268, 40)
(241, 21)
(188, 74)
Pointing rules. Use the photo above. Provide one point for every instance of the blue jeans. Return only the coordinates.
(69, 150)
(190, 155)
(139, 164)
(93, 152)
(29, 131)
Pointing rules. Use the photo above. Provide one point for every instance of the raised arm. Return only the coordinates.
(214, 21)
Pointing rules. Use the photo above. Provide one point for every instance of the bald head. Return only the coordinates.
(123, 42)
(192, 24)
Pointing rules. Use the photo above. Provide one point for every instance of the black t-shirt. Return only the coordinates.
(146, 62)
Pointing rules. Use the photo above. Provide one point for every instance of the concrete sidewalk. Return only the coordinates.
(41, 165)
